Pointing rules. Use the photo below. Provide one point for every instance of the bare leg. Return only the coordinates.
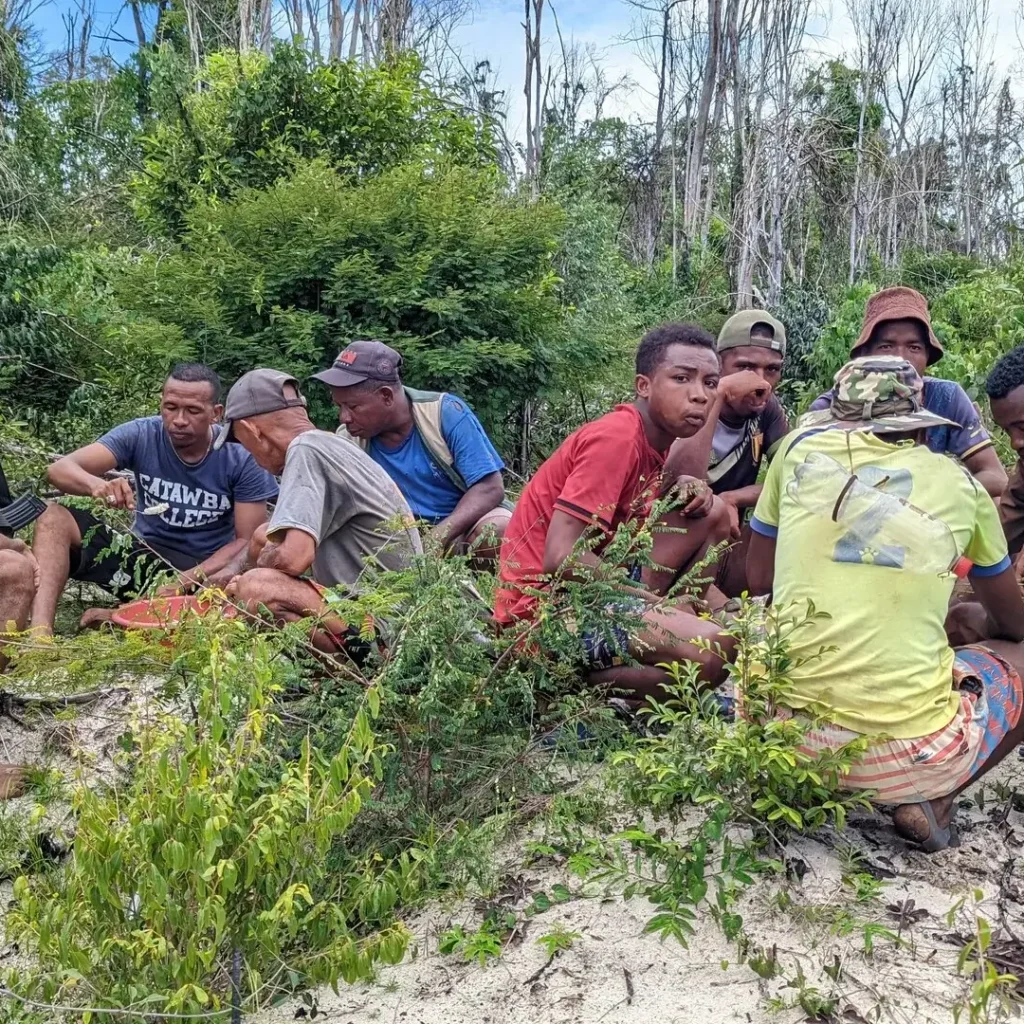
(732, 567)
(483, 541)
(288, 599)
(57, 537)
(909, 819)
(670, 635)
(676, 552)
(17, 585)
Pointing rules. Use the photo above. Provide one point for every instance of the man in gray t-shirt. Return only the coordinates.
(333, 491)
(337, 510)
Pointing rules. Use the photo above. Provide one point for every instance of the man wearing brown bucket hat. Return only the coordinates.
(897, 323)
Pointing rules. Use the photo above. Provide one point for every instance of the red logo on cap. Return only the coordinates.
(348, 357)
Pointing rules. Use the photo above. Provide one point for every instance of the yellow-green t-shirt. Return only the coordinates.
(891, 668)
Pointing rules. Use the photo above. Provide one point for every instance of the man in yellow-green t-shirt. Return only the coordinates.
(859, 519)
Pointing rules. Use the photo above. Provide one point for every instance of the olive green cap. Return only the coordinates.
(736, 331)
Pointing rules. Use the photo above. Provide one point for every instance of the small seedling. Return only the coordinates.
(557, 940)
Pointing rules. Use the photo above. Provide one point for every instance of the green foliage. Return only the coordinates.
(557, 940)
(215, 844)
(249, 121)
(435, 260)
(482, 945)
(754, 770)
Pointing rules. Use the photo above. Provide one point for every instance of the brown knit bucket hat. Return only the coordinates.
(897, 304)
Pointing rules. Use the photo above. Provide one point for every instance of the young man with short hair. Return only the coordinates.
(605, 474)
(744, 425)
(430, 443)
(196, 503)
(1005, 388)
(878, 663)
(897, 323)
(337, 510)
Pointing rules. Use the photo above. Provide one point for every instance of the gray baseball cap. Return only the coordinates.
(255, 394)
(738, 331)
(362, 360)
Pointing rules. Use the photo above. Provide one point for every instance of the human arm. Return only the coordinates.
(477, 462)
(760, 563)
(81, 473)
(764, 530)
(998, 612)
(737, 502)
(688, 457)
(985, 467)
(483, 497)
(290, 551)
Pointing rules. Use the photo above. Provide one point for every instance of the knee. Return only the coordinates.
(56, 521)
(713, 656)
(719, 521)
(17, 574)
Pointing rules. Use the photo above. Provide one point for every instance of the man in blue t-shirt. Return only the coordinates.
(429, 443)
(195, 506)
(897, 323)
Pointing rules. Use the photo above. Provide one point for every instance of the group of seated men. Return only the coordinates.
(933, 681)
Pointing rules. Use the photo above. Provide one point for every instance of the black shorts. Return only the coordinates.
(116, 562)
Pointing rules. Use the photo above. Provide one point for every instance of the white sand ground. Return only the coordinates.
(614, 973)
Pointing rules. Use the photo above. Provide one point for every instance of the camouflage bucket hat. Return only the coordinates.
(883, 394)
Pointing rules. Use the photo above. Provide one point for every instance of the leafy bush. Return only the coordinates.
(214, 850)
(248, 121)
(437, 261)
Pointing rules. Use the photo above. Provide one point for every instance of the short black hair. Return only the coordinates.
(193, 373)
(1007, 374)
(651, 353)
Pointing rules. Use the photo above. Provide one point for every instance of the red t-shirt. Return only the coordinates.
(605, 473)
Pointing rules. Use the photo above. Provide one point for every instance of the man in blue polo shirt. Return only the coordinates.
(430, 443)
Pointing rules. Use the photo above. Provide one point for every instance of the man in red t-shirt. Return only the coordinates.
(606, 474)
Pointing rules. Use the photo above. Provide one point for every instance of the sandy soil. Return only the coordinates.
(615, 973)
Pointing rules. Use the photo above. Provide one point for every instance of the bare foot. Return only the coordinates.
(927, 824)
(95, 617)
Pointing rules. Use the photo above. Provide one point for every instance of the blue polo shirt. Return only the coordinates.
(425, 485)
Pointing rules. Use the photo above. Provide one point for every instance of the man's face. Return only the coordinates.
(680, 391)
(253, 438)
(188, 412)
(364, 413)
(1008, 412)
(766, 363)
(902, 338)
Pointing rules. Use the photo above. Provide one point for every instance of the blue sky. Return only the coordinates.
(494, 32)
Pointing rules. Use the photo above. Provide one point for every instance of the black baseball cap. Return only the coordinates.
(255, 394)
(362, 360)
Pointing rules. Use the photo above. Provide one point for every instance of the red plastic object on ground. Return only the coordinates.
(165, 612)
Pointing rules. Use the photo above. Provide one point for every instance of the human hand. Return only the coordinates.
(696, 496)
(117, 493)
(745, 392)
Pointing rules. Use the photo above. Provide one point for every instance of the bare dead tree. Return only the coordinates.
(532, 90)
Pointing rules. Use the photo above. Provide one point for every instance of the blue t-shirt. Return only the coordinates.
(944, 398)
(201, 497)
(425, 485)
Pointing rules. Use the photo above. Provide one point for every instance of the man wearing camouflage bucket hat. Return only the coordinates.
(881, 567)
(897, 323)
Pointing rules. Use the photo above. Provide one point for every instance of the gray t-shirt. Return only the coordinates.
(332, 490)
(725, 439)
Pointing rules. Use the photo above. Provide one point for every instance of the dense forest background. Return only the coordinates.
(260, 182)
